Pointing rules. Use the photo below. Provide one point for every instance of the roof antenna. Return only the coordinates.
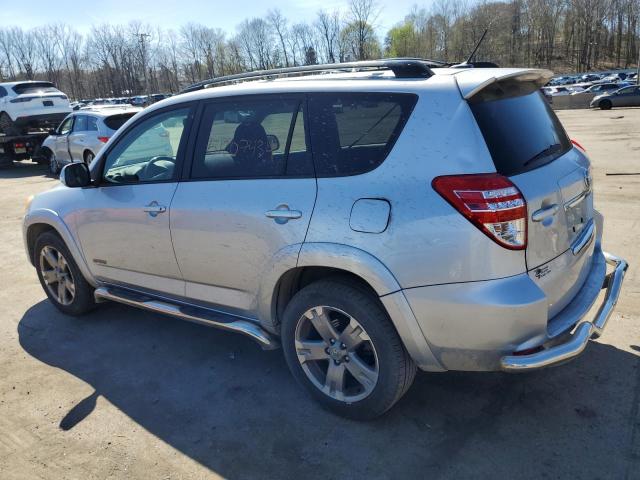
(467, 63)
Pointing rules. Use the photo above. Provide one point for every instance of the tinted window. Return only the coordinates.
(522, 132)
(34, 87)
(148, 152)
(80, 124)
(352, 133)
(114, 122)
(3, 92)
(252, 138)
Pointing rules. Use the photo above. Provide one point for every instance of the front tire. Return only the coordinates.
(54, 166)
(605, 104)
(342, 348)
(88, 157)
(60, 277)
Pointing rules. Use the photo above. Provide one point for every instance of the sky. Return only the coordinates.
(174, 13)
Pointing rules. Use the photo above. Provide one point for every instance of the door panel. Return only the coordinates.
(77, 138)
(61, 148)
(224, 240)
(124, 243)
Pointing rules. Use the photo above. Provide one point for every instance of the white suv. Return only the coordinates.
(31, 104)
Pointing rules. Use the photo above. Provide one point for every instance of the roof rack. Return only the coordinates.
(401, 68)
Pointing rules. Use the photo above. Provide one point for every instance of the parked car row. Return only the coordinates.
(137, 101)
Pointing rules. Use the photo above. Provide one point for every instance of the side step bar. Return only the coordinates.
(191, 313)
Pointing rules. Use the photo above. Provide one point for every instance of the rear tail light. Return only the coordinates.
(491, 202)
(579, 146)
(103, 139)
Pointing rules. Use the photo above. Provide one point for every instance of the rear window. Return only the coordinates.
(352, 133)
(522, 132)
(34, 87)
(114, 122)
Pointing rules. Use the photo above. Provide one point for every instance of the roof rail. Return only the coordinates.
(401, 67)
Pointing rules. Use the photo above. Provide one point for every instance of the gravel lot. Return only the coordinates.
(128, 394)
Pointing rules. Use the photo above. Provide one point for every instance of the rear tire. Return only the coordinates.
(7, 126)
(60, 276)
(605, 105)
(357, 367)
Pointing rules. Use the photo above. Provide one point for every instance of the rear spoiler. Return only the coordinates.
(492, 84)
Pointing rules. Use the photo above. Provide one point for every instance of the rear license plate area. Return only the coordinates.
(47, 103)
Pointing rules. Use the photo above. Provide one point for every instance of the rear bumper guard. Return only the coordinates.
(578, 340)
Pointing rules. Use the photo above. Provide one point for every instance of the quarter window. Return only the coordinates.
(147, 153)
(252, 138)
(352, 133)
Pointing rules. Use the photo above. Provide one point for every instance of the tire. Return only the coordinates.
(605, 105)
(49, 247)
(88, 157)
(54, 166)
(385, 368)
(7, 126)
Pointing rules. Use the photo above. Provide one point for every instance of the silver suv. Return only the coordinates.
(370, 219)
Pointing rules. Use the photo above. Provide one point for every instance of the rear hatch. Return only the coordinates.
(39, 98)
(529, 146)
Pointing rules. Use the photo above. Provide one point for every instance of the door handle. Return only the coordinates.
(545, 212)
(282, 214)
(153, 209)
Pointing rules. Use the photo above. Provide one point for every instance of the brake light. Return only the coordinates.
(491, 202)
(103, 139)
(19, 145)
(579, 146)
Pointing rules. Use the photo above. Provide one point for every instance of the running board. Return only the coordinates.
(191, 313)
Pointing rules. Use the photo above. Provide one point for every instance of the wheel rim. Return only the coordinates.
(57, 275)
(336, 354)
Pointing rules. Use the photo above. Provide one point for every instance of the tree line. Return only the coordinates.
(125, 60)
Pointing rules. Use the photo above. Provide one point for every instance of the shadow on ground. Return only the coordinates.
(24, 169)
(222, 401)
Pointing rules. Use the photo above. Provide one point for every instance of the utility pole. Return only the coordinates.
(143, 53)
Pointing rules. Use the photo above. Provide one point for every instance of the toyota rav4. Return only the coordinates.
(371, 218)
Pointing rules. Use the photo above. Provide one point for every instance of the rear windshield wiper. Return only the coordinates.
(544, 153)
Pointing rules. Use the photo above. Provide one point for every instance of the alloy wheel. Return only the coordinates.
(336, 354)
(57, 275)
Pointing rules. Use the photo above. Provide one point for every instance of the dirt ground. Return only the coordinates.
(128, 394)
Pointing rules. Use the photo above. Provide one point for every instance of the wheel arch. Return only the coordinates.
(318, 261)
(38, 222)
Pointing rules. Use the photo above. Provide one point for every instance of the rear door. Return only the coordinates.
(77, 138)
(529, 145)
(249, 196)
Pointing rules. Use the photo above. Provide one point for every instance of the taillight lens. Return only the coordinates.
(103, 139)
(584, 150)
(491, 202)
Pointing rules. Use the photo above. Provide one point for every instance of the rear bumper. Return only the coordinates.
(575, 344)
(479, 325)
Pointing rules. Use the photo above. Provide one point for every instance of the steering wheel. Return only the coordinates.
(147, 173)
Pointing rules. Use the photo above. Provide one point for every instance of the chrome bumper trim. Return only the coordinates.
(577, 342)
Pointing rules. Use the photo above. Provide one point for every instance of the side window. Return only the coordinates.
(352, 133)
(252, 138)
(80, 124)
(65, 126)
(147, 153)
(92, 124)
(3, 92)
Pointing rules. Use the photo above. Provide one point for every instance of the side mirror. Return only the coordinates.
(75, 175)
